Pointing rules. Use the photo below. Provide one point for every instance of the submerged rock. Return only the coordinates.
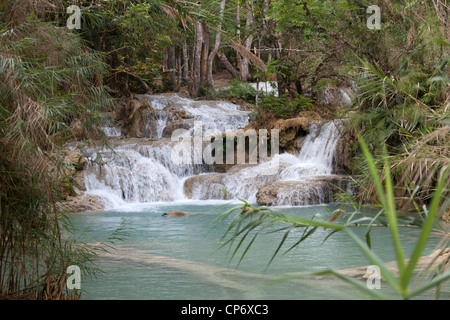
(176, 213)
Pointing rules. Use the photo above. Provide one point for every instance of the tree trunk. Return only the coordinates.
(245, 74)
(196, 73)
(185, 62)
(228, 65)
(204, 58)
(210, 81)
(171, 63)
(179, 73)
(279, 56)
(238, 35)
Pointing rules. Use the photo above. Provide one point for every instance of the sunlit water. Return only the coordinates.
(180, 257)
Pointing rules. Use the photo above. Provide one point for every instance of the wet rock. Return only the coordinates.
(139, 113)
(344, 152)
(173, 125)
(206, 186)
(446, 216)
(75, 158)
(84, 203)
(313, 190)
(78, 185)
(176, 213)
(77, 129)
(336, 96)
(246, 209)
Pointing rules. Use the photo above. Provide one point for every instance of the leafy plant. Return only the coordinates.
(283, 107)
(48, 78)
(239, 90)
(254, 222)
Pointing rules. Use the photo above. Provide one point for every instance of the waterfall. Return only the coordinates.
(302, 179)
(317, 152)
(112, 131)
(136, 173)
(214, 115)
(142, 171)
(154, 128)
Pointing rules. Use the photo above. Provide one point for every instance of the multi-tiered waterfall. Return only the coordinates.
(143, 170)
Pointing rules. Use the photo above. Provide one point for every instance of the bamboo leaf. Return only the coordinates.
(368, 240)
(426, 229)
(375, 260)
(391, 214)
(279, 247)
(430, 285)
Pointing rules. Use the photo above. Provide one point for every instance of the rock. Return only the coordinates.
(78, 185)
(76, 159)
(446, 216)
(344, 152)
(176, 213)
(206, 186)
(314, 190)
(291, 131)
(173, 125)
(84, 203)
(336, 96)
(439, 258)
(77, 129)
(138, 113)
(74, 163)
(246, 209)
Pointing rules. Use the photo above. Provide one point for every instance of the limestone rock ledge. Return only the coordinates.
(83, 204)
(311, 191)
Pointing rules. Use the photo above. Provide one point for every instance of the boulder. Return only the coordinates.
(77, 129)
(84, 203)
(336, 96)
(206, 186)
(75, 158)
(176, 213)
(446, 216)
(246, 209)
(311, 191)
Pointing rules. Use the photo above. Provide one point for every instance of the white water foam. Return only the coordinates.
(214, 115)
(142, 173)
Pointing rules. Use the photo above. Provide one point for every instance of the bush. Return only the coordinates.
(239, 90)
(283, 107)
(43, 86)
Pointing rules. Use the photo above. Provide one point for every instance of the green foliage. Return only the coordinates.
(407, 114)
(246, 226)
(134, 37)
(239, 90)
(48, 78)
(283, 107)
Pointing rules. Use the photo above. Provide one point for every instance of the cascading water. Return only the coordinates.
(112, 131)
(140, 172)
(302, 179)
(214, 115)
(317, 152)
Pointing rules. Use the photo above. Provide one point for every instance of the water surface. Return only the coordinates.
(179, 257)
